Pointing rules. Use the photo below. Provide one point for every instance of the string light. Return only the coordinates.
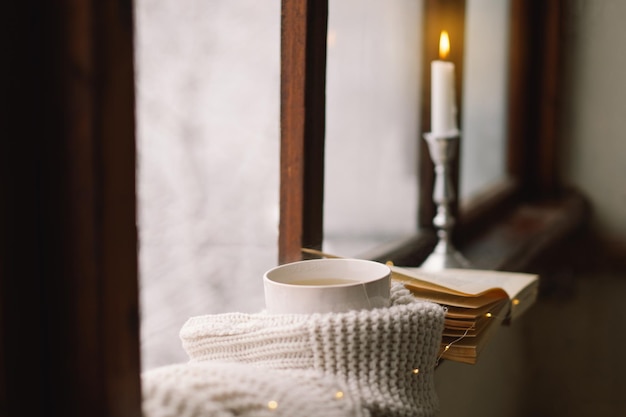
(447, 347)
(490, 315)
(416, 371)
(339, 395)
(515, 301)
(272, 405)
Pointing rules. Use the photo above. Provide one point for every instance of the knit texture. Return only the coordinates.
(212, 389)
(385, 356)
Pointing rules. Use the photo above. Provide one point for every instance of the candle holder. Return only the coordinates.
(443, 150)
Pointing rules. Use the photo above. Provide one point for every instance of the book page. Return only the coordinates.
(450, 298)
(471, 282)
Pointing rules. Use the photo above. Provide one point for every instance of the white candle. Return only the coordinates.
(443, 106)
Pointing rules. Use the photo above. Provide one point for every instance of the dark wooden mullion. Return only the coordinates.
(439, 15)
(547, 137)
(520, 64)
(303, 87)
(533, 92)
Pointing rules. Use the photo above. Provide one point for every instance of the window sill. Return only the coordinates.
(511, 242)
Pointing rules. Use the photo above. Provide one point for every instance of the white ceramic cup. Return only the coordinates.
(326, 285)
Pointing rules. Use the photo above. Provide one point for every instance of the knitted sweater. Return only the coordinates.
(213, 389)
(385, 356)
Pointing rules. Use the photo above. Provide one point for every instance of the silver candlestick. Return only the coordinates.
(443, 150)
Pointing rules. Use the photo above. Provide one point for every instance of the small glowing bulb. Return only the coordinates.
(272, 405)
(515, 301)
(339, 395)
(488, 315)
(416, 371)
(446, 348)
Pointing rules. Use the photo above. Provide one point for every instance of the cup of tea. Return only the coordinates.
(326, 285)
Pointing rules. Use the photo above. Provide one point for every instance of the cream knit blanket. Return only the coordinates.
(385, 357)
(215, 389)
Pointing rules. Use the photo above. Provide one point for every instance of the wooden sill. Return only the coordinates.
(518, 234)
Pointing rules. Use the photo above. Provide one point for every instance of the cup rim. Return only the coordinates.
(382, 271)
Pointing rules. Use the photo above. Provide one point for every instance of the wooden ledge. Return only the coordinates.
(516, 237)
(528, 231)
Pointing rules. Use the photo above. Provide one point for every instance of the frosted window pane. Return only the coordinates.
(484, 124)
(372, 129)
(208, 88)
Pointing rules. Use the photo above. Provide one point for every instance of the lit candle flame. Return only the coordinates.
(444, 45)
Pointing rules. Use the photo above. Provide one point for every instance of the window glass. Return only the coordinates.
(372, 126)
(208, 89)
(484, 124)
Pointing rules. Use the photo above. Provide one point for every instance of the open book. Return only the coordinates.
(477, 301)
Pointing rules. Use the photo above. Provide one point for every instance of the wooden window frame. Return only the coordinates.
(69, 321)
